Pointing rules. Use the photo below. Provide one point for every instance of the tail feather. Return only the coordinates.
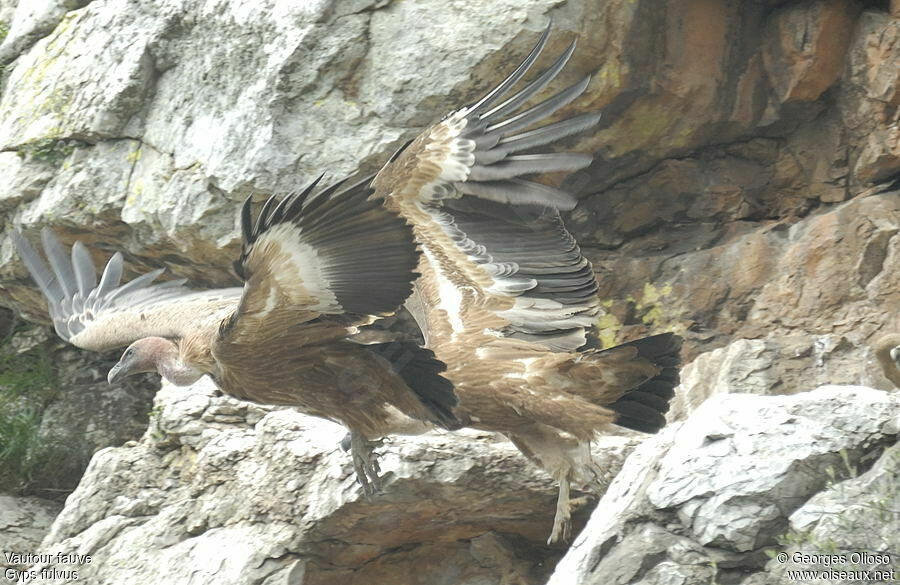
(639, 417)
(644, 407)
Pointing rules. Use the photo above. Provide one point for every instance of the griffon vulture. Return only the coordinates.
(316, 266)
(506, 299)
(887, 352)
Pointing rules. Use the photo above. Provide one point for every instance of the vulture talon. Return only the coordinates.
(562, 522)
(365, 463)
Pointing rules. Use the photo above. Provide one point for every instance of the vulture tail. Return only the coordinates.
(644, 408)
(421, 371)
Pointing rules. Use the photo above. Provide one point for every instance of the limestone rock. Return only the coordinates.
(871, 96)
(705, 499)
(774, 365)
(222, 491)
(153, 127)
(855, 520)
(30, 22)
(834, 273)
(806, 43)
(25, 520)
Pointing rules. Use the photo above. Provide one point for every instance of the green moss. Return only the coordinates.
(610, 75)
(156, 431)
(48, 149)
(651, 123)
(22, 451)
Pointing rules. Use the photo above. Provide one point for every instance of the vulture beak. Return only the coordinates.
(123, 367)
(130, 363)
(116, 373)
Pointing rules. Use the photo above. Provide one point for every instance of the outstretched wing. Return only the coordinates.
(107, 315)
(500, 261)
(328, 253)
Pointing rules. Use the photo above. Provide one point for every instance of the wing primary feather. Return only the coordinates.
(519, 192)
(45, 279)
(85, 273)
(312, 201)
(247, 219)
(262, 220)
(109, 280)
(528, 164)
(103, 316)
(59, 262)
(353, 255)
(541, 110)
(547, 134)
(421, 371)
(136, 284)
(514, 77)
(297, 201)
(536, 85)
(399, 151)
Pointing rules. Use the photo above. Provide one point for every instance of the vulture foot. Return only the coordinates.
(365, 463)
(562, 522)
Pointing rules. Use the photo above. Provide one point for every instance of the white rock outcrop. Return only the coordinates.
(226, 492)
(707, 498)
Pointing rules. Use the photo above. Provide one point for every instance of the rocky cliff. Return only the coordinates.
(744, 194)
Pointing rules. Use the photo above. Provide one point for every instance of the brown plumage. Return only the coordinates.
(506, 299)
(887, 352)
(317, 266)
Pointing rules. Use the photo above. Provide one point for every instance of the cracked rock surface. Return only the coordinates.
(222, 491)
(705, 499)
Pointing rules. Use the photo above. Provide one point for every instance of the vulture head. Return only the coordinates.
(153, 354)
(887, 352)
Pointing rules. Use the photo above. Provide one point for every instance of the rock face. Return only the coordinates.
(229, 492)
(744, 194)
(703, 501)
(775, 365)
(24, 522)
(730, 134)
(841, 519)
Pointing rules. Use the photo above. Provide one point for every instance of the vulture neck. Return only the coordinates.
(887, 347)
(172, 368)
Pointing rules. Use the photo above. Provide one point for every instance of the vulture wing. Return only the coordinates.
(107, 315)
(500, 260)
(331, 255)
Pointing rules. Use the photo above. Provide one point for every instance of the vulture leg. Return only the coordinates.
(365, 462)
(562, 522)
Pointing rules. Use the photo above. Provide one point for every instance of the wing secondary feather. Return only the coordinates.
(329, 251)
